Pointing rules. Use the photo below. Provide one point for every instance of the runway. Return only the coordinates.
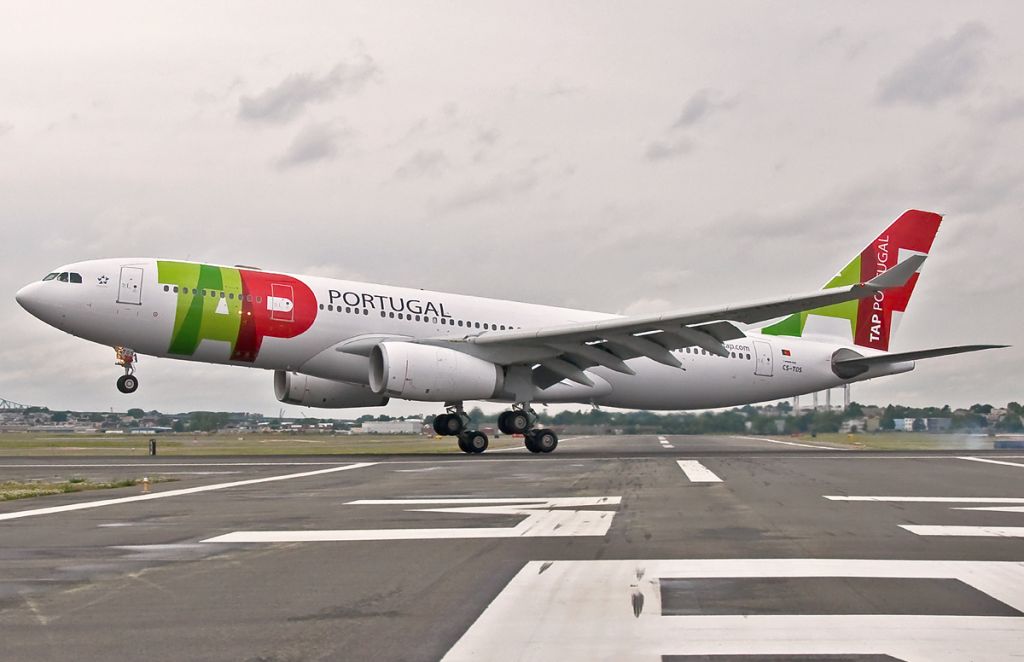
(635, 548)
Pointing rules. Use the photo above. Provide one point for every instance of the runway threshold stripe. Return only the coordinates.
(791, 443)
(1002, 462)
(172, 493)
(697, 472)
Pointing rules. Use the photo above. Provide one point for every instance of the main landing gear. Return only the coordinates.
(521, 420)
(453, 423)
(128, 382)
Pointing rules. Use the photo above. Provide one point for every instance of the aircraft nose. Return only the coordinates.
(28, 297)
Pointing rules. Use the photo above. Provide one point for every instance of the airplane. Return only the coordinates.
(335, 343)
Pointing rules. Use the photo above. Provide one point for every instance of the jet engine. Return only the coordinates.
(297, 389)
(430, 373)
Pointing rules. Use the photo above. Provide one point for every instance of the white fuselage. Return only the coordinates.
(302, 324)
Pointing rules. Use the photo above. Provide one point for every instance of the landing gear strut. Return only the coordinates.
(453, 423)
(126, 358)
(522, 420)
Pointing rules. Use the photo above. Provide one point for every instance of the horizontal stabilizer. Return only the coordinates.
(850, 367)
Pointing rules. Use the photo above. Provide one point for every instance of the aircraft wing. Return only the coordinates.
(565, 351)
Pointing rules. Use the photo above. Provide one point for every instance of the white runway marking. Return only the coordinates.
(790, 443)
(542, 518)
(167, 464)
(965, 531)
(172, 493)
(697, 472)
(585, 610)
(1002, 462)
(912, 499)
(665, 443)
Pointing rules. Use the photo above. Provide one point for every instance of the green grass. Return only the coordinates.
(48, 444)
(15, 489)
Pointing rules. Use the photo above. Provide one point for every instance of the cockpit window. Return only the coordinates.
(63, 277)
(76, 278)
(50, 276)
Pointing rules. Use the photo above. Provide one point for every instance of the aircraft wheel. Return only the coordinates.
(514, 422)
(127, 384)
(453, 424)
(474, 441)
(503, 422)
(462, 445)
(545, 440)
(529, 443)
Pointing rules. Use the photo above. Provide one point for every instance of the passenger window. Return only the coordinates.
(435, 320)
(366, 312)
(321, 306)
(63, 277)
(485, 325)
(348, 309)
(417, 318)
(460, 322)
(330, 308)
(223, 295)
(231, 295)
(477, 324)
(383, 314)
(391, 315)
(204, 293)
(49, 276)
(175, 289)
(76, 278)
(259, 299)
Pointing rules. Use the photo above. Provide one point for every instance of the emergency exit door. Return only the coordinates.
(129, 289)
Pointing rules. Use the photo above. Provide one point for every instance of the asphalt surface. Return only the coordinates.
(647, 548)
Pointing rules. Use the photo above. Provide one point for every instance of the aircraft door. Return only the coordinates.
(281, 302)
(129, 289)
(763, 358)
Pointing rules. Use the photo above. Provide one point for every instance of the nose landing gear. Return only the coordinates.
(126, 358)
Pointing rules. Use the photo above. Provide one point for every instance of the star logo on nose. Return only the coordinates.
(103, 280)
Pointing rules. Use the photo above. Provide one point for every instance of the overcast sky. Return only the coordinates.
(623, 157)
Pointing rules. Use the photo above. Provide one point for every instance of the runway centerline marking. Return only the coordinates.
(790, 443)
(542, 518)
(988, 461)
(697, 472)
(173, 493)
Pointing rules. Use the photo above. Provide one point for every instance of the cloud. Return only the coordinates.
(947, 67)
(501, 187)
(660, 150)
(5, 127)
(424, 163)
(286, 100)
(316, 142)
(701, 105)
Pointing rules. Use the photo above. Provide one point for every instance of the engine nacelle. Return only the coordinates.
(433, 374)
(297, 389)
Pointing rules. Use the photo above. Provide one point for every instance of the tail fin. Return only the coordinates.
(868, 322)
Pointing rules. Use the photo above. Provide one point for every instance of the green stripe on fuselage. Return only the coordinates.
(197, 317)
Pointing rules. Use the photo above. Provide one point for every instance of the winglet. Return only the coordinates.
(899, 275)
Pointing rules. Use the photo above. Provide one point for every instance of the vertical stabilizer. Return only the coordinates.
(869, 322)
